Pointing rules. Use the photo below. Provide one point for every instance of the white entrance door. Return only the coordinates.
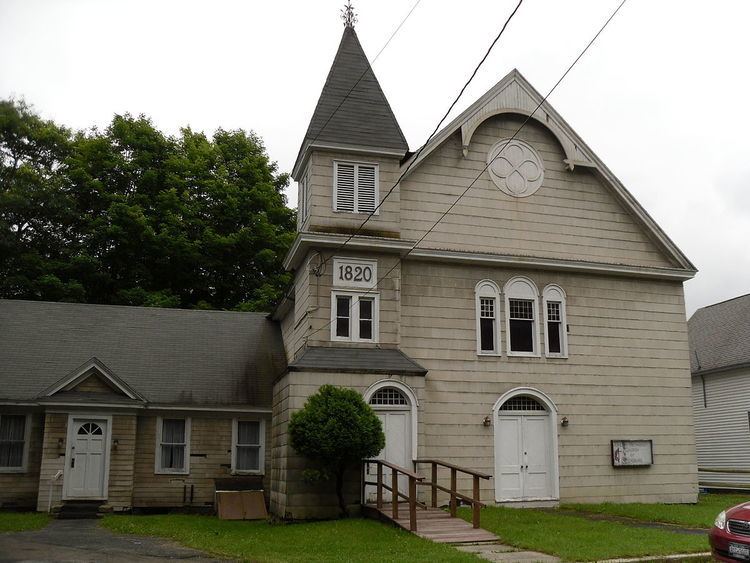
(86, 460)
(394, 411)
(523, 454)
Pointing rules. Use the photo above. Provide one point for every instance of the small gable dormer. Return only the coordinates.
(91, 381)
(351, 153)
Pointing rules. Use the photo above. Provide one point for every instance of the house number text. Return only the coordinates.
(354, 273)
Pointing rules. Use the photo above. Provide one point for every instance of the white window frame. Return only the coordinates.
(356, 165)
(261, 454)
(158, 469)
(354, 316)
(26, 440)
(555, 294)
(487, 289)
(521, 287)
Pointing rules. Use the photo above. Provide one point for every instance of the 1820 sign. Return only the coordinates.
(349, 272)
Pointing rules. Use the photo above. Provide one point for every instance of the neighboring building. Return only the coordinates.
(541, 320)
(720, 363)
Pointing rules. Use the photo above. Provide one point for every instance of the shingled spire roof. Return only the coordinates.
(364, 120)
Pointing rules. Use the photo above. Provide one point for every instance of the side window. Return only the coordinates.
(487, 297)
(173, 445)
(555, 333)
(354, 316)
(521, 306)
(248, 446)
(355, 187)
(13, 438)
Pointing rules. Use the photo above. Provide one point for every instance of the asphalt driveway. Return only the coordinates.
(84, 540)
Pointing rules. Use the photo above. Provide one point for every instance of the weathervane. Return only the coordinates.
(348, 15)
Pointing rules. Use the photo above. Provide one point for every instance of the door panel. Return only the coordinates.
(536, 448)
(508, 447)
(397, 450)
(86, 471)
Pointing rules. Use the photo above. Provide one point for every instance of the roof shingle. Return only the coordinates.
(720, 335)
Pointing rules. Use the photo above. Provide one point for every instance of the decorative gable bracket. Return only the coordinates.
(511, 95)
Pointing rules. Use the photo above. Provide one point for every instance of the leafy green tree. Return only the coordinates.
(128, 215)
(336, 429)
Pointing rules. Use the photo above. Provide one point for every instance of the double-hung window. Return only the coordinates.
(521, 305)
(13, 436)
(556, 333)
(248, 445)
(354, 316)
(173, 445)
(487, 296)
(355, 187)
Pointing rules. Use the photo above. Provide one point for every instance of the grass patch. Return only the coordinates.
(575, 538)
(700, 515)
(20, 521)
(352, 539)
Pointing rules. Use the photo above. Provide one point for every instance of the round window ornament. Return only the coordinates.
(515, 167)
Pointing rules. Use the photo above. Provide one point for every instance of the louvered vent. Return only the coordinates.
(345, 174)
(366, 189)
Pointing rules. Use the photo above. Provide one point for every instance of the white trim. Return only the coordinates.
(552, 416)
(70, 438)
(210, 409)
(85, 371)
(261, 454)
(356, 164)
(90, 404)
(521, 287)
(306, 240)
(487, 288)
(23, 468)
(413, 403)
(556, 294)
(304, 154)
(158, 469)
(354, 315)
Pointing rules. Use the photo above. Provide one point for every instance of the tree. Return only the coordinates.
(129, 215)
(336, 429)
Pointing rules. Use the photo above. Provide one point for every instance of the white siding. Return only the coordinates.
(722, 429)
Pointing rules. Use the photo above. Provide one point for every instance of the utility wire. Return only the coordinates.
(443, 215)
(434, 131)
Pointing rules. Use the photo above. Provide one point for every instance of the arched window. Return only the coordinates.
(388, 396)
(487, 295)
(521, 311)
(555, 323)
(522, 403)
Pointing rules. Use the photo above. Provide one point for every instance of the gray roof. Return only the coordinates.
(168, 356)
(364, 118)
(720, 335)
(356, 360)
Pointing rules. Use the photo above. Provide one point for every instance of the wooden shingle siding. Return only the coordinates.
(572, 216)
(122, 462)
(210, 458)
(324, 218)
(53, 459)
(20, 489)
(626, 377)
(93, 384)
(722, 428)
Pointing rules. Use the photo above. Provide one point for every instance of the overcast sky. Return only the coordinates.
(660, 96)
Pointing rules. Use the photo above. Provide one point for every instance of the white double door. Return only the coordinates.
(397, 450)
(86, 458)
(523, 457)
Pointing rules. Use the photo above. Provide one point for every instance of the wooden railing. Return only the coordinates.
(411, 498)
(414, 480)
(474, 500)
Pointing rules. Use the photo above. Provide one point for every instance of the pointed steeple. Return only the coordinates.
(364, 119)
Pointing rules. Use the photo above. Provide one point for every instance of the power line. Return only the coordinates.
(434, 131)
(443, 215)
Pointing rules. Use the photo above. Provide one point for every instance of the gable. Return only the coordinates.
(95, 383)
(608, 207)
(572, 216)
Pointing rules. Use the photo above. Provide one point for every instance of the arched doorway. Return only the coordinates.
(526, 467)
(396, 407)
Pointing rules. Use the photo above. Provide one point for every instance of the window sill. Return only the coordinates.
(12, 470)
(524, 355)
(247, 472)
(557, 356)
(489, 355)
(356, 212)
(166, 472)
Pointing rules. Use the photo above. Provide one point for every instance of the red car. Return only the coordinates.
(730, 536)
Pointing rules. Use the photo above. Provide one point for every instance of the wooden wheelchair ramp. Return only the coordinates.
(429, 522)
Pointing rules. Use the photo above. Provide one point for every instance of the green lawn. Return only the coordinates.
(20, 521)
(575, 538)
(352, 539)
(699, 515)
